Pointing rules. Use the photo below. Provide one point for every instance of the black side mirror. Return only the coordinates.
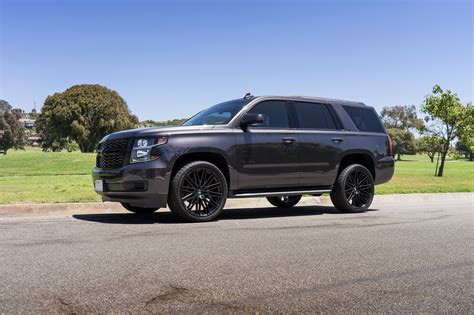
(251, 119)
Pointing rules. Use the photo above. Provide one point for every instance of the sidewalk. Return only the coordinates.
(60, 209)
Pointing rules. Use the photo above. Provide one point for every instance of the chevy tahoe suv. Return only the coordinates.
(276, 147)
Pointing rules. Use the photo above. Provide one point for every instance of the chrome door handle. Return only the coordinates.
(288, 140)
(337, 140)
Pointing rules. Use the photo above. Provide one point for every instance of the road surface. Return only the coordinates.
(407, 254)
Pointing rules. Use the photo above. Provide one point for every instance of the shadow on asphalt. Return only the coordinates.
(227, 214)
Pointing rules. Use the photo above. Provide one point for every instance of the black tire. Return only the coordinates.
(198, 192)
(354, 189)
(138, 210)
(284, 201)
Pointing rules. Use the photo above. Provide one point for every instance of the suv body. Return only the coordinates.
(270, 146)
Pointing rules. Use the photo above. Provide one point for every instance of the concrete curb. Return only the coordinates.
(49, 209)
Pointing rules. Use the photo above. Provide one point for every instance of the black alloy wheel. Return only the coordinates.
(284, 201)
(354, 189)
(198, 192)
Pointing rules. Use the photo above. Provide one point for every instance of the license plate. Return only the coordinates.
(99, 185)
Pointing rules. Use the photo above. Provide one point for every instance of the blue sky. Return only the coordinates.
(169, 59)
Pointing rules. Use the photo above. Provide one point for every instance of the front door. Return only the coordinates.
(267, 153)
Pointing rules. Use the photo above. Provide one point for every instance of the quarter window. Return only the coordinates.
(365, 119)
(274, 114)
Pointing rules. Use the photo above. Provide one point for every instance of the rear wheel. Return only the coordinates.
(198, 192)
(138, 210)
(353, 190)
(284, 201)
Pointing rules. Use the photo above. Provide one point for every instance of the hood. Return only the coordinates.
(153, 131)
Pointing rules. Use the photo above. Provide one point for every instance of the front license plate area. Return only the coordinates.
(99, 185)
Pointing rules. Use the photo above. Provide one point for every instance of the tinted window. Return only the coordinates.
(313, 116)
(274, 114)
(364, 118)
(219, 114)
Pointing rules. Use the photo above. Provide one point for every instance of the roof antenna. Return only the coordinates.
(247, 96)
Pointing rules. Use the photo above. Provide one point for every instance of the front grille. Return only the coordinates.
(112, 154)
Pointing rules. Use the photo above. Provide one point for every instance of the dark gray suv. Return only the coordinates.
(271, 146)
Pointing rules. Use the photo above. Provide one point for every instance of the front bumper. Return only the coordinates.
(141, 185)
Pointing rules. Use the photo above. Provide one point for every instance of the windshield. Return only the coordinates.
(219, 114)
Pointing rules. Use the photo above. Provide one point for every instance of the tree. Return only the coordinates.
(84, 114)
(446, 114)
(429, 145)
(174, 122)
(465, 131)
(403, 142)
(12, 132)
(400, 121)
(402, 117)
(4, 106)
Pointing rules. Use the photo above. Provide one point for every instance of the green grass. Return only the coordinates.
(415, 174)
(33, 176)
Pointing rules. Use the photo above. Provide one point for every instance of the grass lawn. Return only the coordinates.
(33, 176)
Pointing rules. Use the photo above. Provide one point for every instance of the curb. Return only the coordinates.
(49, 209)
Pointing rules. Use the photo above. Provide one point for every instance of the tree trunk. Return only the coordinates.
(399, 158)
(432, 158)
(441, 167)
(471, 156)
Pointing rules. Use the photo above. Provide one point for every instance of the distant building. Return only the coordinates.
(34, 140)
(28, 122)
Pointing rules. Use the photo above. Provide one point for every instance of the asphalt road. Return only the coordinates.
(406, 255)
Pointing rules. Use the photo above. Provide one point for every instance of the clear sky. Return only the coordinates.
(169, 59)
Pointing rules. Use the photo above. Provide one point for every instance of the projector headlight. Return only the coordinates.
(143, 149)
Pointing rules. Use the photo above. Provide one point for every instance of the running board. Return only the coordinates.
(280, 193)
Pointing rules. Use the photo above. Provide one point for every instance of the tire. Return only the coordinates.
(138, 210)
(284, 201)
(198, 192)
(353, 191)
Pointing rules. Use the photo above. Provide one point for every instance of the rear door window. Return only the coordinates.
(313, 116)
(365, 119)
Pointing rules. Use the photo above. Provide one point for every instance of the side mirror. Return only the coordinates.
(251, 119)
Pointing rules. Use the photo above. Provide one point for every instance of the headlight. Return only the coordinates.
(143, 148)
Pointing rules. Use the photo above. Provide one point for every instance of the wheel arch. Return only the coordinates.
(362, 157)
(215, 157)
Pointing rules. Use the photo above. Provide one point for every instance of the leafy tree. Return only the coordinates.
(430, 145)
(84, 114)
(446, 115)
(464, 150)
(400, 121)
(12, 132)
(4, 106)
(465, 131)
(403, 142)
(174, 122)
(402, 117)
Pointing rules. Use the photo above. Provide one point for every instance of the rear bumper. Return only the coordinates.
(384, 170)
(141, 184)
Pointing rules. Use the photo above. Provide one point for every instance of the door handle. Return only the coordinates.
(288, 140)
(337, 140)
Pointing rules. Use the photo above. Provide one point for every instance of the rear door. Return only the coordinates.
(321, 142)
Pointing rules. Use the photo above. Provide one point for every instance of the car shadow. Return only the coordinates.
(228, 214)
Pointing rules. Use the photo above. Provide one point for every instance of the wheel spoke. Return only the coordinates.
(201, 192)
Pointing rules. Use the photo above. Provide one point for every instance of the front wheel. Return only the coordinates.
(198, 192)
(353, 190)
(284, 201)
(138, 210)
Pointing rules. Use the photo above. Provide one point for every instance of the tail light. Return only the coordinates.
(389, 145)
